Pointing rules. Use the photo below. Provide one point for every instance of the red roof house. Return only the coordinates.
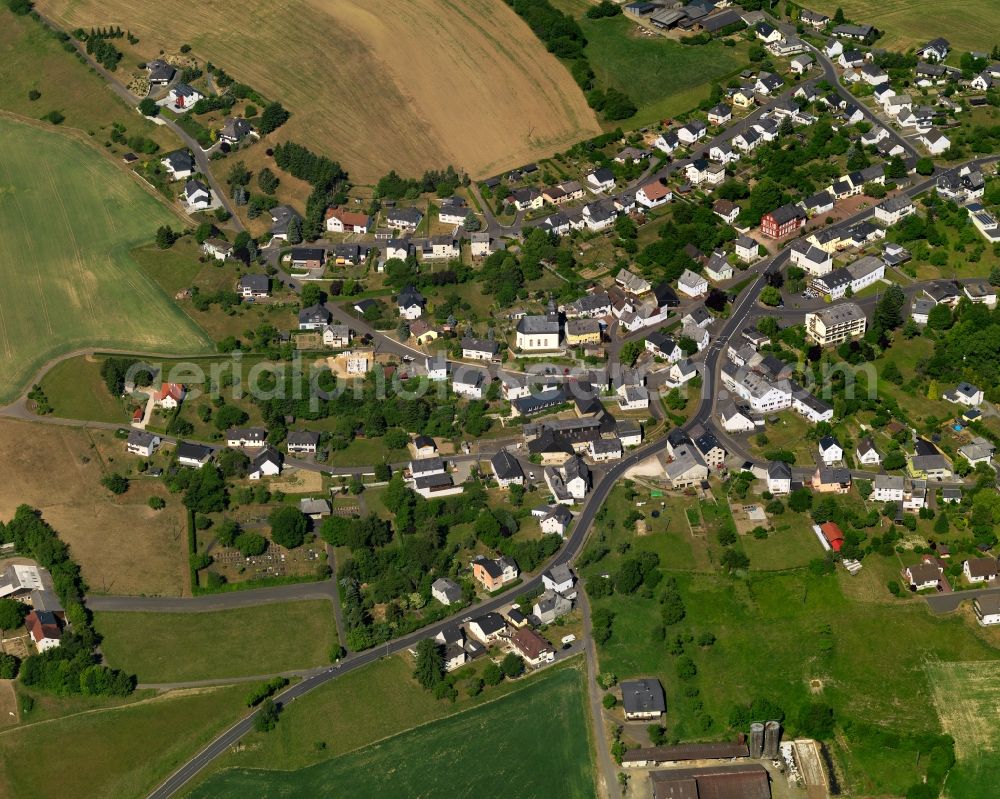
(834, 535)
(169, 395)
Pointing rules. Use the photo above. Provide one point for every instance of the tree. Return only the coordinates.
(272, 117)
(896, 168)
(688, 345)
(941, 523)
(770, 296)
(233, 462)
(925, 166)
(311, 295)
(250, 544)
(148, 107)
(157, 503)
(939, 317)
(894, 460)
(288, 526)
(889, 311)
(9, 666)
(429, 669)
(609, 701)
(630, 352)
(165, 237)
(12, 614)
(267, 717)
(294, 231)
(800, 500)
(838, 16)
(512, 665)
(267, 181)
(238, 174)
(815, 720)
(115, 483)
(686, 669)
(492, 674)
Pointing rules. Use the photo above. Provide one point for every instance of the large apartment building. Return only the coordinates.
(836, 324)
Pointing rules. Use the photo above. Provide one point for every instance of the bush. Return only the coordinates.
(54, 117)
(149, 108)
(115, 483)
(157, 503)
(34, 94)
(609, 701)
(512, 665)
(9, 666)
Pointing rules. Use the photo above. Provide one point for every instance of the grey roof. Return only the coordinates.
(256, 283)
(492, 622)
(643, 696)
(425, 465)
(180, 160)
(314, 314)
(409, 297)
(140, 438)
(406, 215)
(480, 345)
(191, 451)
(779, 470)
(538, 324)
(505, 466)
(235, 128)
(303, 438)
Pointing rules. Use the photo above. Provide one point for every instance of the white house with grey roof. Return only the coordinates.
(692, 284)
(141, 443)
(506, 469)
(537, 333)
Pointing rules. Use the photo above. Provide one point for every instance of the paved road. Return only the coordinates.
(946, 603)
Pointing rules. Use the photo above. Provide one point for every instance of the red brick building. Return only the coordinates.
(782, 221)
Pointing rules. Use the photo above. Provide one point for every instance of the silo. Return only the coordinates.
(772, 737)
(756, 739)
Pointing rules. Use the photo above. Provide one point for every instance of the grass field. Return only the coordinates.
(175, 647)
(33, 59)
(122, 545)
(76, 390)
(908, 23)
(770, 635)
(117, 753)
(66, 280)
(378, 85)
(533, 742)
(663, 77)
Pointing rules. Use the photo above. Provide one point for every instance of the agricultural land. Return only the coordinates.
(69, 219)
(379, 86)
(520, 740)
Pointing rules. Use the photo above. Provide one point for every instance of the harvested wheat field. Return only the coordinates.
(121, 544)
(377, 84)
(967, 698)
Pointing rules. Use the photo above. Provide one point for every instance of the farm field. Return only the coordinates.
(121, 544)
(663, 77)
(908, 23)
(519, 741)
(114, 753)
(157, 647)
(69, 220)
(378, 86)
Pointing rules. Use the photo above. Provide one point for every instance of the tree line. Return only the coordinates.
(72, 667)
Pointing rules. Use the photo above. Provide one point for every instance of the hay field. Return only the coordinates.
(121, 544)
(377, 84)
(69, 217)
(967, 698)
(971, 25)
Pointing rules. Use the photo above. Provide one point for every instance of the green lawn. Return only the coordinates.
(70, 219)
(663, 77)
(169, 647)
(533, 742)
(76, 390)
(769, 634)
(114, 754)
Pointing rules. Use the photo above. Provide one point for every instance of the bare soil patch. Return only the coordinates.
(121, 544)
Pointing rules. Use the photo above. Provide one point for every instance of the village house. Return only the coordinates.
(926, 574)
(410, 303)
(168, 395)
(194, 455)
(866, 454)
(43, 627)
(141, 443)
(468, 382)
(550, 606)
(479, 349)
(987, 609)
(980, 570)
(446, 591)
(964, 394)
(315, 317)
(336, 336)
(219, 249)
(643, 699)
(888, 488)
(403, 218)
(246, 437)
(488, 628)
(779, 477)
(534, 649)
(506, 470)
(179, 164)
(553, 519)
(829, 480)
(234, 130)
(653, 194)
(254, 287)
(197, 196)
(836, 324)
(692, 284)
(538, 333)
(266, 463)
(340, 220)
(494, 573)
(302, 442)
